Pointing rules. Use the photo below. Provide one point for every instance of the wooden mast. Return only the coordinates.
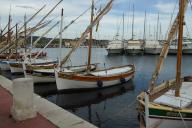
(9, 30)
(90, 39)
(16, 42)
(180, 45)
(60, 41)
(25, 33)
(164, 51)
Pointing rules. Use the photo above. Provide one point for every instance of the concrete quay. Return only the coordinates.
(48, 114)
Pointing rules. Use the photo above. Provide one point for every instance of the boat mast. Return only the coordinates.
(90, 39)
(180, 45)
(172, 32)
(157, 33)
(16, 41)
(60, 41)
(144, 32)
(133, 24)
(123, 27)
(25, 33)
(9, 31)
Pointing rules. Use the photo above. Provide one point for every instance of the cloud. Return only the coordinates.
(108, 25)
(163, 7)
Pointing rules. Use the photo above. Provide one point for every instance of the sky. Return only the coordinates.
(110, 25)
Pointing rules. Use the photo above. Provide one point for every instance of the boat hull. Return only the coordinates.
(187, 51)
(168, 111)
(153, 51)
(165, 119)
(169, 123)
(41, 79)
(172, 51)
(15, 69)
(39, 76)
(65, 82)
(134, 51)
(4, 65)
(114, 51)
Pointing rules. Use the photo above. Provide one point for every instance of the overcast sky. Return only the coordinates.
(109, 24)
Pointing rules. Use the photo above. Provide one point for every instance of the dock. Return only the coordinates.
(49, 115)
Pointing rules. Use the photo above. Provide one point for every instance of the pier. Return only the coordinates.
(49, 115)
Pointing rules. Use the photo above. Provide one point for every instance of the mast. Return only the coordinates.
(9, 31)
(60, 41)
(90, 39)
(16, 41)
(133, 23)
(157, 33)
(179, 52)
(25, 33)
(123, 26)
(172, 32)
(144, 32)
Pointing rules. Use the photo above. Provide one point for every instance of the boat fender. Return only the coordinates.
(100, 83)
(123, 80)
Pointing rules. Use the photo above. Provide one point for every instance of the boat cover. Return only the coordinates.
(114, 71)
(183, 101)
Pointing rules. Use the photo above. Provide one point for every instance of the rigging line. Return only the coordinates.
(183, 120)
(171, 19)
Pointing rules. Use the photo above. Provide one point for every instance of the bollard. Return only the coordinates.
(23, 106)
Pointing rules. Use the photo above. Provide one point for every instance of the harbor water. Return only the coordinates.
(113, 107)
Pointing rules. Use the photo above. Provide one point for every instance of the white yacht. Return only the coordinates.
(115, 47)
(152, 47)
(134, 47)
(187, 46)
(173, 49)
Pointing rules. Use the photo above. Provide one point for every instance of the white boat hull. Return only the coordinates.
(114, 51)
(152, 51)
(4, 65)
(133, 51)
(168, 123)
(172, 51)
(15, 70)
(63, 84)
(99, 79)
(187, 51)
(41, 79)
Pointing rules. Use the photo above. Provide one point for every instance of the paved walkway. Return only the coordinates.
(7, 122)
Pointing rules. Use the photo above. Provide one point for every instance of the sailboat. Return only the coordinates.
(116, 46)
(12, 41)
(17, 66)
(67, 79)
(134, 46)
(44, 73)
(153, 46)
(168, 105)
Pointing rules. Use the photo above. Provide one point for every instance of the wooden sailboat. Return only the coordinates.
(168, 105)
(14, 41)
(67, 79)
(17, 67)
(44, 73)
